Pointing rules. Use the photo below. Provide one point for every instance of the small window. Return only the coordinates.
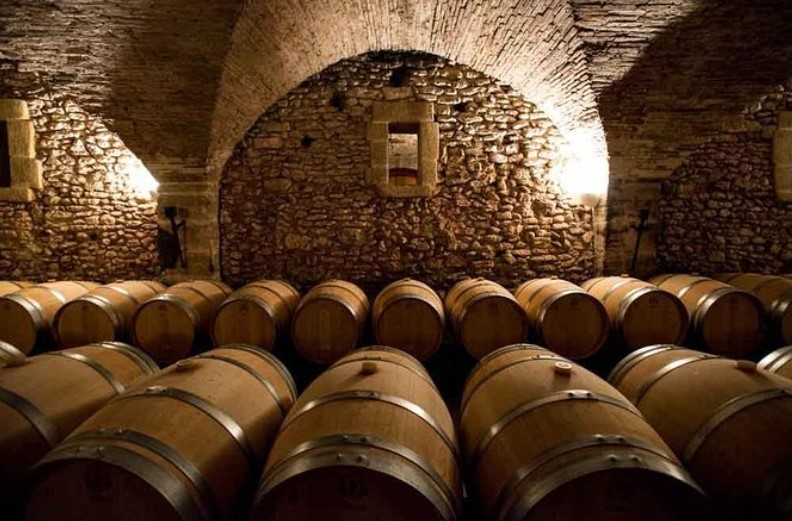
(403, 154)
(5, 157)
(405, 145)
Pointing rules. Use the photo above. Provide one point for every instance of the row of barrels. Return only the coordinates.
(97, 433)
(728, 318)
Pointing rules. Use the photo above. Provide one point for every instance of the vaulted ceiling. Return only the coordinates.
(182, 81)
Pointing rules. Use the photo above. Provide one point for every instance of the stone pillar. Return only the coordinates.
(782, 155)
(25, 168)
(196, 205)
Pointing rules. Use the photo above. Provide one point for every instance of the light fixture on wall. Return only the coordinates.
(140, 178)
(582, 170)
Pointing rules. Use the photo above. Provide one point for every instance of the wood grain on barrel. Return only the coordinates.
(564, 318)
(12, 286)
(546, 439)
(726, 320)
(28, 314)
(485, 316)
(370, 439)
(44, 398)
(409, 315)
(103, 314)
(183, 445)
(727, 420)
(776, 296)
(257, 314)
(330, 321)
(640, 313)
(170, 325)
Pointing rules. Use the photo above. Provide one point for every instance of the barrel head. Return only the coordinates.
(165, 329)
(19, 325)
(82, 322)
(246, 322)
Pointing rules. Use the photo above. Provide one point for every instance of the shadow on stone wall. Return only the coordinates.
(695, 80)
(165, 80)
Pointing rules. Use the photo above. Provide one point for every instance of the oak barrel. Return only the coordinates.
(28, 314)
(728, 421)
(104, 314)
(779, 362)
(330, 321)
(409, 315)
(183, 445)
(12, 286)
(564, 318)
(44, 398)
(545, 439)
(776, 296)
(170, 325)
(369, 439)
(641, 314)
(485, 316)
(724, 319)
(258, 314)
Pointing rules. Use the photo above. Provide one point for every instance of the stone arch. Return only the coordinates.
(532, 46)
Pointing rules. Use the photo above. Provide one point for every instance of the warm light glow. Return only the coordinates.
(582, 171)
(140, 178)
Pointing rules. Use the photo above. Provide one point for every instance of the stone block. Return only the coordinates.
(16, 194)
(783, 179)
(378, 132)
(26, 172)
(402, 112)
(21, 138)
(378, 174)
(427, 173)
(429, 142)
(387, 190)
(397, 93)
(785, 120)
(782, 147)
(13, 109)
(379, 154)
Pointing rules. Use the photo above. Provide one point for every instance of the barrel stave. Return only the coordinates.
(536, 427)
(187, 427)
(371, 428)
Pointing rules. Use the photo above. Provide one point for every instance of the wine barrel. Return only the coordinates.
(44, 398)
(330, 321)
(258, 314)
(724, 319)
(12, 286)
(28, 314)
(776, 296)
(408, 315)
(564, 318)
(485, 316)
(779, 362)
(641, 314)
(170, 325)
(104, 314)
(727, 420)
(181, 446)
(545, 439)
(369, 439)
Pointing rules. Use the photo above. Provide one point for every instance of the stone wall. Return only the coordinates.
(89, 222)
(294, 202)
(719, 211)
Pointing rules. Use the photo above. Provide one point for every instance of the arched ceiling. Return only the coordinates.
(182, 81)
(531, 45)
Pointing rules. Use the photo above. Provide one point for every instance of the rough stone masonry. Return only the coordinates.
(295, 203)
